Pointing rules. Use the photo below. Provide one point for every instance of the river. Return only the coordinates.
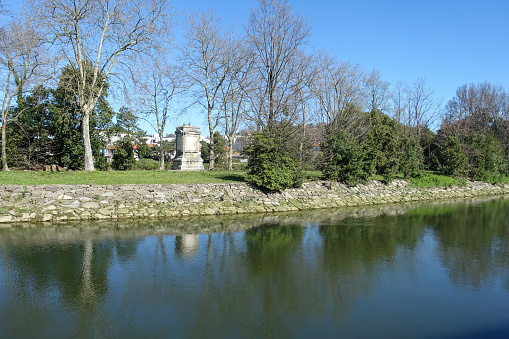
(436, 270)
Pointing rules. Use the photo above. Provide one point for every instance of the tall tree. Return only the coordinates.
(158, 86)
(21, 61)
(104, 34)
(276, 34)
(204, 59)
(377, 92)
(476, 108)
(339, 90)
(65, 121)
(234, 92)
(398, 101)
(422, 106)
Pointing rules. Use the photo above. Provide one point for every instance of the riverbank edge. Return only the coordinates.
(49, 204)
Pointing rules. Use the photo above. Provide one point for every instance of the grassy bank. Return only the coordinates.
(119, 177)
(427, 180)
(127, 177)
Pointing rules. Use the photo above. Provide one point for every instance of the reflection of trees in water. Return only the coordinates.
(76, 271)
(264, 281)
(474, 243)
(356, 251)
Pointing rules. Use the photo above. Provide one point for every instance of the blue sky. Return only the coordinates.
(449, 43)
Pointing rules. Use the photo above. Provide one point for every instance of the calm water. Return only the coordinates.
(408, 271)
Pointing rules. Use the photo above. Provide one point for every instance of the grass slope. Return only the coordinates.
(119, 177)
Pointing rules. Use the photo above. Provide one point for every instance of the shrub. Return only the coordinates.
(147, 164)
(489, 161)
(345, 159)
(271, 162)
(450, 158)
(413, 159)
(123, 156)
(101, 162)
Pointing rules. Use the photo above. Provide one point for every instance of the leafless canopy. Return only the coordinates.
(475, 108)
(205, 63)
(338, 85)
(158, 85)
(276, 34)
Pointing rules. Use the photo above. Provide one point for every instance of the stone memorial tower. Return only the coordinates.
(188, 156)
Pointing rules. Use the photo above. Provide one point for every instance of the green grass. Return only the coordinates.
(119, 177)
(433, 180)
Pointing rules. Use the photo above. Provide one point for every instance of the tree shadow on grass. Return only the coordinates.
(232, 177)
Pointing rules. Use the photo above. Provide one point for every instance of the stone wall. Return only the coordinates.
(62, 203)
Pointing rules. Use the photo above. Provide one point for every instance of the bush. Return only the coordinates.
(123, 156)
(345, 159)
(147, 165)
(101, 162)
(450, 158)
(271, 162)
(489, 161)
(413, 159)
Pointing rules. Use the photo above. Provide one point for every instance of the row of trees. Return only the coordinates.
(254, 77)
(258, 77)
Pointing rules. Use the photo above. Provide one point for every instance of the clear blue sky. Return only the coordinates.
(448, 43)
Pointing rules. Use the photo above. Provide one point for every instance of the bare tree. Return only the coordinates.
(94, 36)
(377, 92)
(276, 35)
(234, 92)
(339, 88)
(476, 108)
(158, 85)
(204, 60)
(422, 107)
(21, 61)
(399, 101)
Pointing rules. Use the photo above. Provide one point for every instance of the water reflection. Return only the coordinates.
(398, 268)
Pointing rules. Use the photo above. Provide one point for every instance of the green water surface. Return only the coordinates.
(406, 271)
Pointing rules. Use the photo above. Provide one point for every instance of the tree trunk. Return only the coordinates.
(161, 150)
(89, 159)
(211, 151)
(230, 153)
(4, 142)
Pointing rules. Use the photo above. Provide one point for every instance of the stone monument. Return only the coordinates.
(188, 156)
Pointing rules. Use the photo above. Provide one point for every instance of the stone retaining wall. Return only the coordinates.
(62, 203)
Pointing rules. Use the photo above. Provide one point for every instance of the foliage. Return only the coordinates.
(413, 158)
(345, 158)
(450, 158)
(49, 129)
(123, 155)
(219, 149)
(480, 156)
(147, 164)
(205, 153)
(384, 142)
(127, 122)
(393, 151)
(272, 164)
(101, 162)
(488, 161)
(143, 150)
(29, 142)
(168, 148)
